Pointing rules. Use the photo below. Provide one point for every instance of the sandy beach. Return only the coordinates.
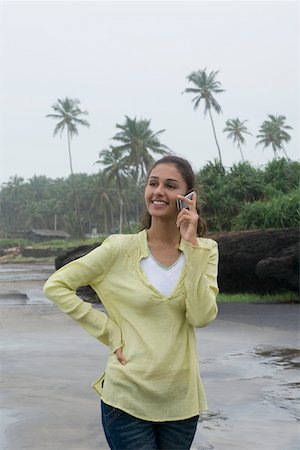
(248, 359)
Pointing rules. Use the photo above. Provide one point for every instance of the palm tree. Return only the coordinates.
(115, 167)
(139, 141)
(68, 114)
(205, 86)
(236, 129)
(273, 132)
(103, 200)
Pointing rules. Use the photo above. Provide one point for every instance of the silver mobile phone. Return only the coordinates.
(182, 204)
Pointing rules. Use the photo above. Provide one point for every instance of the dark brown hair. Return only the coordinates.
(187, 173)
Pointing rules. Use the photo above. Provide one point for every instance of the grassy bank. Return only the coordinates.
(284, 297)
(23, 251)
(58, 244)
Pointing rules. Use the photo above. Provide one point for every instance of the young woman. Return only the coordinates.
(156, 286)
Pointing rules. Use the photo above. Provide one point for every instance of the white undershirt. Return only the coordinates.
(164, 279)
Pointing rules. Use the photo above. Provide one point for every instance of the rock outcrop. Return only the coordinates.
(260, 261)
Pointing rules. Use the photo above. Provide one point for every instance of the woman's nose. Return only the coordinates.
(158, 189)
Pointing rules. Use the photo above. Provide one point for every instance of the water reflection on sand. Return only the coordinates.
(22, 283)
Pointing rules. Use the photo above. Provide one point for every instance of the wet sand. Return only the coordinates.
(248, 359)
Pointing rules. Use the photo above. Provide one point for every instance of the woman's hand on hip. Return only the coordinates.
(120, 357)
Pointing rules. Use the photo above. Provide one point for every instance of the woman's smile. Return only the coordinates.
(159, 202)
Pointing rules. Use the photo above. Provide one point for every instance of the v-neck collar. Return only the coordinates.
(166, 268)
(144, 253)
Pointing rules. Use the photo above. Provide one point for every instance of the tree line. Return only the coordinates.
(239, 198)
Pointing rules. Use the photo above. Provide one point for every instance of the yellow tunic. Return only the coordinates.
(161, 379)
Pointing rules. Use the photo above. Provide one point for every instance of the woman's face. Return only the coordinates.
(164, 184)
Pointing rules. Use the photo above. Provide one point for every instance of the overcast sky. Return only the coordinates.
(132, 58)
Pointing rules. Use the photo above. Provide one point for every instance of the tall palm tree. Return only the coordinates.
(139, 141)
(273, 132)
(114, 167)
(236, 129)
(205, 86)
(68, 114)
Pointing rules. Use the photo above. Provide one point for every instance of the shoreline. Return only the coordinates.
(35, 261)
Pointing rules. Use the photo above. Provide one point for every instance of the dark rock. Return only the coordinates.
(259, 261)
(86, 293)
(29, 252)
(13, 295)
(283, 268)
(74, 253)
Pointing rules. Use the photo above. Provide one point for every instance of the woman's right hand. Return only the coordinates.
(121, 358)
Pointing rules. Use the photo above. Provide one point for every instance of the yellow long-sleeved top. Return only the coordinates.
(161, 379)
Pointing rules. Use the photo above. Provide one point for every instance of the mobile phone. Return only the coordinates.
(182, 204)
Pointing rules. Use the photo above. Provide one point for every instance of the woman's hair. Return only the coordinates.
(187, 173)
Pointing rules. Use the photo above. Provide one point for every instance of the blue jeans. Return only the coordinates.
(125, 432)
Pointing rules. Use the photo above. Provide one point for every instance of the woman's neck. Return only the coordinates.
(164, 233)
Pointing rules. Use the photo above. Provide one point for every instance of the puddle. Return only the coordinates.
(288, 358)
(287, 397)
(284, 395)
(212, 419)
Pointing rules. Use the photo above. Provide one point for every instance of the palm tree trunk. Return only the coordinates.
(137, 211)
(215, 136)
(119, 184)
(121, 216)
(112, 219)
(275, 152)
(105, 222)
(284, 151)
(76, 206)
(241, 154)
(69, 150)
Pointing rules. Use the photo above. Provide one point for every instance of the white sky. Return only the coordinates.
(132, 58)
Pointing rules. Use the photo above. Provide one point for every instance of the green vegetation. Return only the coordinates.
(242, 197)
(282, 211)
(245, 197)
(10, 243)
(64, 245)
(59, 245)
(285, 297)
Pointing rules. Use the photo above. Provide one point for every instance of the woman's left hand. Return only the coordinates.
(187, 220)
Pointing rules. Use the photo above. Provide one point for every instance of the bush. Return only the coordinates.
(9, 243)
(282, 175)
(282, 211)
